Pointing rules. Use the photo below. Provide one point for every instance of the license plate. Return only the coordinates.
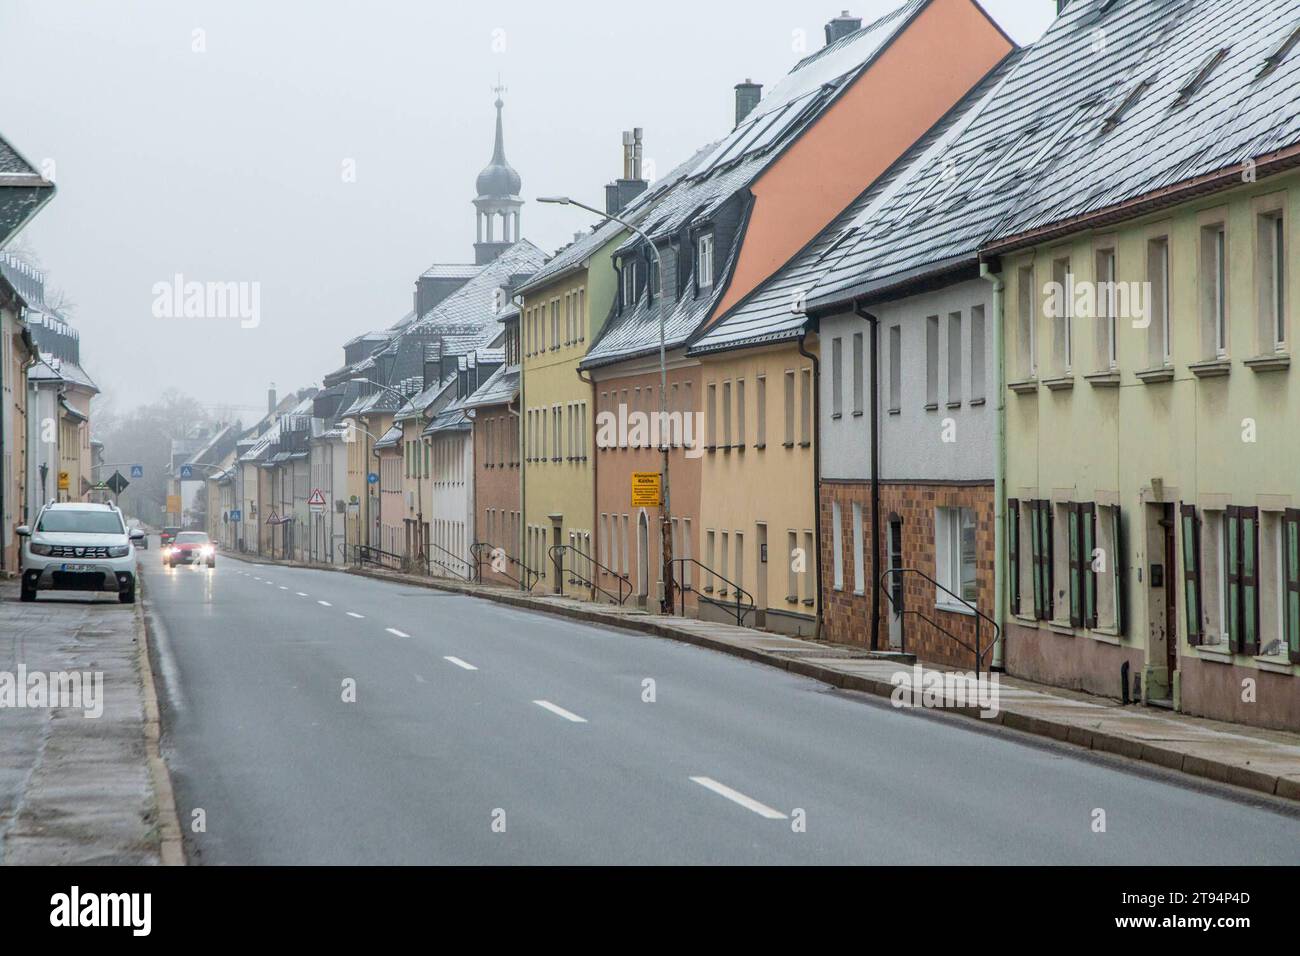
(78, 567)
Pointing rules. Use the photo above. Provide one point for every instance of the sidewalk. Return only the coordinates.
(1266, 761)
(78, 789)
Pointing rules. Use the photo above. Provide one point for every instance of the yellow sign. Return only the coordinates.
(174, 505)
(64, 482)
(645, 489)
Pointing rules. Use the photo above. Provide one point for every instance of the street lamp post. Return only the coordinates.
(665, 519)
(419, 487)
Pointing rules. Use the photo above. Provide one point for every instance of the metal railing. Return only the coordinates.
(901, 610)
(527, 578)
(466, 575)
(739, 609)
(363, 554)
(556, 553)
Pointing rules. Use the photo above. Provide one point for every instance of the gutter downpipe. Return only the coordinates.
(595, 458)
(874, 322)
(999, 461)
(817, 476)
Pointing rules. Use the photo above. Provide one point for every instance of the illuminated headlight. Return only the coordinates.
(119, 551)
(44, 550)
(207, 551)
(167, 549)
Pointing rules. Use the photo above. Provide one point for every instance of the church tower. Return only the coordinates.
(498, 203)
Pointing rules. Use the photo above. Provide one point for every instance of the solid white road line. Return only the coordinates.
(566, 714)
(459, 663)
(324, 603)
(355, 614)
(735, 796)
(396, 633)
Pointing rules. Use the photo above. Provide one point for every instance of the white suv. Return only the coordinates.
(78, 546)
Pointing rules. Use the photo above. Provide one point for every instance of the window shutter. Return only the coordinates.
(1232, 550)
(1118, 564)
(1074, 518)
(1291, 562)
(1045, 516)
(1036, 559)
(1191, 538)
(1088, 528)
(1249, 524)
(1013, 554)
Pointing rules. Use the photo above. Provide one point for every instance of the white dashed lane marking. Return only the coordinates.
(396, 633)
(560, 711)
(462, 664)
(324, 603)
(355, 614)
(735, 796)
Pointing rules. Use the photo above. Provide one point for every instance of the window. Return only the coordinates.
(1159, 346)
(977, 354)
(1013, 555)
(932, 362)
(1082, 518)
(895, 368)
(1062, 322)
(704, 261)
(858, 380)
(1040, 513)
(726, 415)
(806, 412)
(627, 278)
(1214, 290)
(1107, 357)
(859, 570)
(1241, 579)
(954, 550)
(709, 542)
(724, 570)
(1291, 584)
(1270, 265)
(954, 359)
(809, 566)
(740, 413)
(792, 585)
(1190, 528)
(837, 544)
(1028, 322)
(837, 377)
(789, 409)
(711, 416)
(555, 323)
(760, 409)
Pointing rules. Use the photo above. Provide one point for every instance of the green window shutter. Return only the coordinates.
(1249, 522)
(1013, 554)
(1088, 532)
(1074, 518)
(1291, 561)
(1191, 540)
(1118, 565)
(1232, 576)
(1049, 569)
(1036, 558)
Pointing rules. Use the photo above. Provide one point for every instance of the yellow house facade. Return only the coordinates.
(561, 312)
(1153, 475)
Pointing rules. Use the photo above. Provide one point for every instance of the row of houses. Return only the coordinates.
(46, 449)
(948, 347)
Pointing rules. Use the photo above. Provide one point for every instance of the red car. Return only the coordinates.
(190, 547)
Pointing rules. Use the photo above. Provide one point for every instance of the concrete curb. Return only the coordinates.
(1168, 758)
(172, 846)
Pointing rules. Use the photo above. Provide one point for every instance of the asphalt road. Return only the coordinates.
(481, 734)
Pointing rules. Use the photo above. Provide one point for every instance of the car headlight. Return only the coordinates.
(44, 550)
(207, 551)
(119, 551)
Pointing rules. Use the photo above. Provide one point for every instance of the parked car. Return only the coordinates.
(190, 547)
(78, 546)
(134, 525)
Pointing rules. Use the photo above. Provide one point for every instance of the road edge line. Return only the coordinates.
(171, 844)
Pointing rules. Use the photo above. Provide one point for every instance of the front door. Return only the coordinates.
(895, 583)
(1162, 605)
(557, 563)
(1171, 597)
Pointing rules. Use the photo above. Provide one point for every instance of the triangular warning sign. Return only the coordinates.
(273, 518)
(317, 498)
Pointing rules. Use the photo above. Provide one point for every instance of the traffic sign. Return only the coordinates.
(372, 478)
(187, 472)
(317, 498)
(645, 489)
(236, 514)
(116, 483)
(273, 518)
(137, 471)
(64, 481)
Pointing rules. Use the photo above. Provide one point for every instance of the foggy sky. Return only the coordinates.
(229, 164)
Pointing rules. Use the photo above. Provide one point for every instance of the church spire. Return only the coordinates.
(498, 201)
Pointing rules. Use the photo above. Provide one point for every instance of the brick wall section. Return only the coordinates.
(847, 616)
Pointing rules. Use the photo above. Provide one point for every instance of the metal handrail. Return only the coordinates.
(577, 578)
(979, 615)
(529, 577)
(467, 576)
(364, 553)
(739, 610)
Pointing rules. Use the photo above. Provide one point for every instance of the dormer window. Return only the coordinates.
(704, 261)
(627, 278)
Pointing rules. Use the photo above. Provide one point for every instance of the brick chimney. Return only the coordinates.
(747, 96)
(842, 26)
